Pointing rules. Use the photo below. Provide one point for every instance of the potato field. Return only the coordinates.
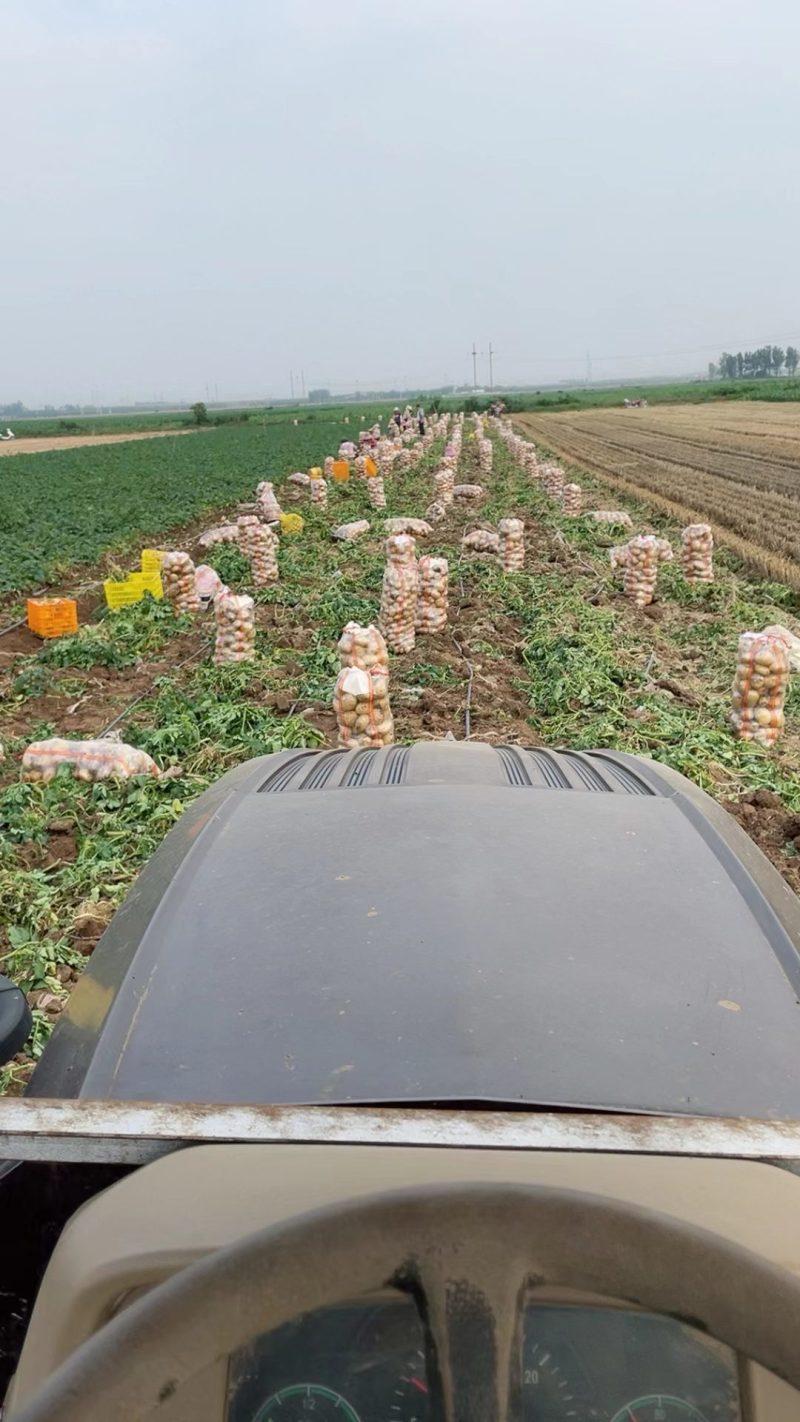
(529, 634)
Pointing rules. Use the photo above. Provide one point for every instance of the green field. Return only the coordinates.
(141, 421)
(70, 506)
(696, 392)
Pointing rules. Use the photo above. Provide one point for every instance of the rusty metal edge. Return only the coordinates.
(137, 1132)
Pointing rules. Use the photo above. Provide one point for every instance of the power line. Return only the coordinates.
(654, 355)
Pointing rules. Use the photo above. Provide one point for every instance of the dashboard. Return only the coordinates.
(366, 1362)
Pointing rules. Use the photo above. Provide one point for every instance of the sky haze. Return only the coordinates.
(199, 198)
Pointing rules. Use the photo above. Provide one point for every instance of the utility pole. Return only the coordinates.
(491, 369)
(291, 382)
(474, 366)
(303, 384)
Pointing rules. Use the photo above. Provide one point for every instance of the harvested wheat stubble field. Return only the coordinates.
(736, 466)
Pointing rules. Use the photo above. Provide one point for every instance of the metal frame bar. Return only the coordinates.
(123, 1132)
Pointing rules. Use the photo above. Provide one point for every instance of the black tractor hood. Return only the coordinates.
(441, 923)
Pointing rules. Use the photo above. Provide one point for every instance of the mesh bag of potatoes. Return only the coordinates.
(615, 516)
(363, 647)
(361, 703)
(236, 628)
(417, 527)
(348, 532)
(268, 507)
(361, 694)
(178, 582)
(640, 559)
(247, 523)
(571, 500)
(299, 478)
(697, 550)
(264, 555)
(208, 584)
(469, 492)
(98, 760)
(432, 589)
(553, 480)
(485, 456)
(376, 492)
(759, 688)
(530, 463)
(399, 595)
(436, 511)
(328, 466)
(318, 490)
(90, 760)
(481, 541)
(511, 544)
(224, 533)
(792, 642)
(443, 484)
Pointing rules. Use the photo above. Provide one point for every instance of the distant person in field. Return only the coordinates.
(421, 420)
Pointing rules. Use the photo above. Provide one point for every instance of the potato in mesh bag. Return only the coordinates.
(90, 760)
(178, 582)
(511, 541)
(432, 593)
(759, 688)
(363, 713)
(399, 595)
(236, 628)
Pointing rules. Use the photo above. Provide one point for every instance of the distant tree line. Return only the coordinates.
(767, 360)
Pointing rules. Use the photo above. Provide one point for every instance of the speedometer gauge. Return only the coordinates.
(658, 1407)
(547, 1391)
(411, 1401)
(306, 1402)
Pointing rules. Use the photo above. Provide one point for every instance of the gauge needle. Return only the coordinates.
(419, 1384)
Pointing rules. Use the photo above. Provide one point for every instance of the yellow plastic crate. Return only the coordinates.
(132, 589)
(152, 558)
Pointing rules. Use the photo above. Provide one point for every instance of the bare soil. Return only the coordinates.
(774, 830)
(44, 443)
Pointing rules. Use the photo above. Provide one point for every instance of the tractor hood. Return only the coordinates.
(446, 923)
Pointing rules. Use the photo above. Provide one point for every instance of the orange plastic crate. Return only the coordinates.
(52, 616)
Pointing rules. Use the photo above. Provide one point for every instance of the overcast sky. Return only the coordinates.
(202, 197)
